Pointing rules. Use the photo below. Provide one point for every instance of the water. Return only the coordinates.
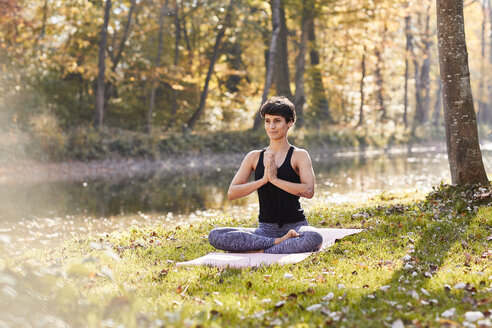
(48, 212)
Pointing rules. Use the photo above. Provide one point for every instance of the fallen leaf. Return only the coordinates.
(484, 301)
(448, 322)
(215, 313)
(397, 324)
(279, 304)
(460, 285)
(449, 313)
(385, 288)
(314, 307)
(328, 297)
(105, 271)
(472, 316)
(292, 297)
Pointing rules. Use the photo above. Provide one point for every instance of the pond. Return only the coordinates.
(45, 213)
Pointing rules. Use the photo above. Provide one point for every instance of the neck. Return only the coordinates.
(279, 145)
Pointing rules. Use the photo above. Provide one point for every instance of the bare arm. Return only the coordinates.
(240, 186)
(306, 187)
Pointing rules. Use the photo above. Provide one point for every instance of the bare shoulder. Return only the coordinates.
(252, 158)
(252, 155)
(301, 154)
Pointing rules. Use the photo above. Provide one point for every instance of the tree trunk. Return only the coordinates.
(271, 57)
(379, 82)
(363, 75)
(320, 102)
(408, 35)
(379, 74)
(177, 41)
(194, 118)
(482, 105)
(300, 97)
(425, 72)
(487, 114)
(160, 44)
(115, 59)
(126, 33)
(281, 72)
(464, 155)
(99, 112)
(417, 119)
(43, 26)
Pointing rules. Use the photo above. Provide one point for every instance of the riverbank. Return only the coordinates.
(85, 144)
(29, 171)
(418, 262)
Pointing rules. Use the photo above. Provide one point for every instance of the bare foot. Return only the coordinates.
(290, 234)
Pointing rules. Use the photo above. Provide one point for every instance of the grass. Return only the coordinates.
(129, 278)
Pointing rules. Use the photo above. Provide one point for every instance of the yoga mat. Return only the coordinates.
(244, 260)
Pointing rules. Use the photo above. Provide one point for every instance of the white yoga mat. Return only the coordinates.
(244, 260)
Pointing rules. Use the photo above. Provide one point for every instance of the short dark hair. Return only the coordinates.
(279, 105)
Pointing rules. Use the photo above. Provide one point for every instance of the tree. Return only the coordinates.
(408, 52)
(379, 49)
(177, 40)
(164, 11)
(300, 97)
(222, 27)
(362, 76)
(271, 57)
(482, 104)
(281, 72)
(464, 155)
(99, 112)
(318, 92)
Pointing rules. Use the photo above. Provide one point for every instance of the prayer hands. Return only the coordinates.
(270, 166)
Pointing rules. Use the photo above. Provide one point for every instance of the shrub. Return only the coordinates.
(48, 138)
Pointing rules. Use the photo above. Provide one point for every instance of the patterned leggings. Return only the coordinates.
(263, 238)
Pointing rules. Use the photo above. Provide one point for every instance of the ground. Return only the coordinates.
(420, 261)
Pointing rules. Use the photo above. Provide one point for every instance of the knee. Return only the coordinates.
(316, 240)
(213, 237)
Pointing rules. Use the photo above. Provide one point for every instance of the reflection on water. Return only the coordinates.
(106, 197)
(62, 208)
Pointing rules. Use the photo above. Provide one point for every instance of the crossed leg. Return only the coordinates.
(305, 239)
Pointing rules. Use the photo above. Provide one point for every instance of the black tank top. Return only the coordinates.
(276, 205)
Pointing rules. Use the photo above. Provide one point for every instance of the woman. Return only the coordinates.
(283, 173)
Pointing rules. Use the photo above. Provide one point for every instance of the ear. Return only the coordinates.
(291, 123)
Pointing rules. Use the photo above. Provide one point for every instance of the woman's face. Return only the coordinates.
(276, 127)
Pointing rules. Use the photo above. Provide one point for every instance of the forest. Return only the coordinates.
(122, 123)
(76, 72)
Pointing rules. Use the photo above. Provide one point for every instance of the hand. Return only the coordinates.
(270, 166)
